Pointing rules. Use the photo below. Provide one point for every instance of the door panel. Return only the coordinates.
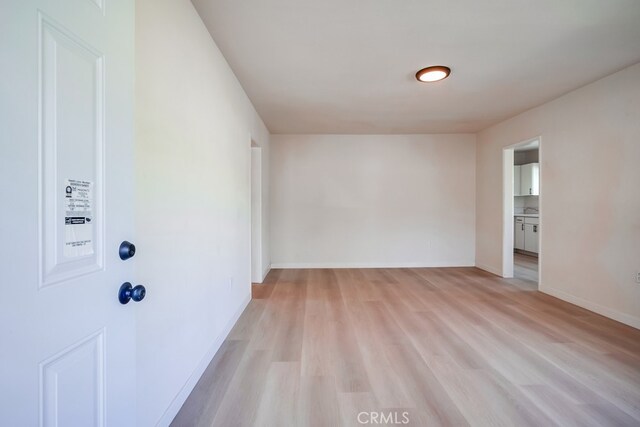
(530, 179)
(516, 180)
(531, 238)
(79, 367)
(66, 119)
(71, 146)
(518, 234)
(526, 183)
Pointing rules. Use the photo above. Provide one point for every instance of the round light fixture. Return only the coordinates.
(433, 74)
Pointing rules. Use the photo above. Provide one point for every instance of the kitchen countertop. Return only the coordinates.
(528, 215)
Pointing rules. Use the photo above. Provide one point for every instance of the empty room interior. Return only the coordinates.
(320, 213)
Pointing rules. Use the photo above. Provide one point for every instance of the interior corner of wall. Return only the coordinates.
(265, 272)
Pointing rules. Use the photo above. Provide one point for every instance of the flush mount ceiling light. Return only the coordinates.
(433, 74)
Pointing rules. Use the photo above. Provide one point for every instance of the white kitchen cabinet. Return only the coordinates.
(526, 234)
(516, 180)
(530, 179)
(518, 233)
(531, 237)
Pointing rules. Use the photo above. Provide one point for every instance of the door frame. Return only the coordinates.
(256, 213)
(508, 220)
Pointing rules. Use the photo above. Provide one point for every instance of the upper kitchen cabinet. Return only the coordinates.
(516, 180)
(529, 180)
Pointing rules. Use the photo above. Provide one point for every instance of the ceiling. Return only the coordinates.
(348, 66)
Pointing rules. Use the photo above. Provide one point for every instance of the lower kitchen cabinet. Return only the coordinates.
(518, 233)
(531, 237)
(526, 234)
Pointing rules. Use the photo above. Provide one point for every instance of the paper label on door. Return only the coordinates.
(78, 220)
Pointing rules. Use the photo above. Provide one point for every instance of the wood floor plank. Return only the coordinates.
(355, 407)
(316, 339)
(525, 267)
(279, 403)
(431, 401)
(556, 405)
(469, 397)
(386, 385)
(245, 326)
(319, 402)
(208, 393)
(239, 406)
(441, 346)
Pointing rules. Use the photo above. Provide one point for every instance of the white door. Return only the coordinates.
(66, 108)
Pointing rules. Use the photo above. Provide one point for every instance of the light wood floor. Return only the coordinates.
(448, 346)
(525, 267)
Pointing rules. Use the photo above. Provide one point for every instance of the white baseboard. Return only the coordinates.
(187, 388)
(627, 319)
(311, 265)
(490, 269)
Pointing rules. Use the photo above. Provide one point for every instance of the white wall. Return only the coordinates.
(590, 196)
(372, 200)
(194, 126)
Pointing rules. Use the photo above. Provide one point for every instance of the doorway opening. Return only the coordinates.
(256, 213)
(521, 252)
